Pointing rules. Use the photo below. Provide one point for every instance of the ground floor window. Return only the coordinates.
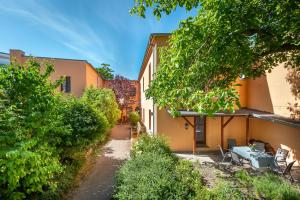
(200, 134)
(150, 117)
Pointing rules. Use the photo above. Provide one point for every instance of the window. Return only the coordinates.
(133, 92)
(149, 75)
(143, 85)
(143, 115)
(66, 85)
(150, 116)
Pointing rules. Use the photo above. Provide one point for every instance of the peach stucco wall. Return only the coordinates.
(271, 93)
(235, 129)
(278, 136)
(92, 77)
(82, 73)
(179, 138)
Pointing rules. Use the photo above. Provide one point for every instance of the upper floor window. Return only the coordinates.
(149, 74)
(133, 92)
(143, 84)
(66, 85)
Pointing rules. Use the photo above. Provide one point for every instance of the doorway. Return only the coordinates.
(200, 135)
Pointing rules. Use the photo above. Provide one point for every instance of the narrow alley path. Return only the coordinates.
(99, 183)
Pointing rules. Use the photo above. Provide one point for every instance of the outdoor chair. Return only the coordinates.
(231, 143)
(281, 156)
(259, 146)
(225, 155)
(235, 158)
(287, 171)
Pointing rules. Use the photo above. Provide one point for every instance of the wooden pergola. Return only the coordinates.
(244, 112)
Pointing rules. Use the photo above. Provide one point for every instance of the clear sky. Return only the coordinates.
(100, 31)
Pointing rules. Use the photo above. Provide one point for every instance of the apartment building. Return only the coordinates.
(268, 112)
(79, 74)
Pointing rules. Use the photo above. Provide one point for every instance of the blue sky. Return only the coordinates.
(95, 30)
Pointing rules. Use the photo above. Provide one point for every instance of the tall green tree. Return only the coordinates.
(105, 71)
(227, 39)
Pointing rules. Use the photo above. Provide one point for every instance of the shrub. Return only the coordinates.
(31, 129)
(87, 123)
(103, 100)
(154, 173)
(270, 186)
(224, 190)
(134, 117)
(152, 176)
(150, 144)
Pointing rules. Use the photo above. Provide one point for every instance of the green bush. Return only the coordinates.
(224, 190)
(153, 176)
(270, 186)
(103, 100)
(150, 144)
(31, 127)
(154, 173)
(87, 124)
(134, 117)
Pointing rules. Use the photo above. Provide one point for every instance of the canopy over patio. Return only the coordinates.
(244, 112)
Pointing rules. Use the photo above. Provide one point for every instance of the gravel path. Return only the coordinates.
(99, 183)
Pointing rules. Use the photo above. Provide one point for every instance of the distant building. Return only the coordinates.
(80, 74)
(4, 58)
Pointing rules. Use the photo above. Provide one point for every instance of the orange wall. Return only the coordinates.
(235, 129)
(92, 77)
(82, 73)
(179, 138)
(271, 93)
(278, 136)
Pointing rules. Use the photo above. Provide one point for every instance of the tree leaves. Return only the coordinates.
(227, 39)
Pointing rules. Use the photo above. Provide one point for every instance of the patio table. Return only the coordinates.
(259, 160)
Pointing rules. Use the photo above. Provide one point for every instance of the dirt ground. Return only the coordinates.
(98, 183)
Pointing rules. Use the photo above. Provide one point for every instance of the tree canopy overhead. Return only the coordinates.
(227, 39)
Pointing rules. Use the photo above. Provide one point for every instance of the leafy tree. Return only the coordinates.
(105, 71)
(104, 101)
(31, 130)
(227, 39)
(123, 88)
(87, 124)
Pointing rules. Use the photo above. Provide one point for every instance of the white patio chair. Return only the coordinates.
(225, 155)
(235, 158)
(259, 146)
(286, 172)
(281, 156)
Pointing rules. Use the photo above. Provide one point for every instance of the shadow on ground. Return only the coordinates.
(99, 182)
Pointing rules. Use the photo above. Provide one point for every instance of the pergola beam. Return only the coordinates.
(222, 129)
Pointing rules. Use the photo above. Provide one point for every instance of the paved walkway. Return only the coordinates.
(99, 183)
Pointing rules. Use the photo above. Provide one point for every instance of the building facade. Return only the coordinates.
(79, 74)
(268, 112)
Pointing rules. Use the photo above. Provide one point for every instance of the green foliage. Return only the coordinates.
(270, 186)
(161, 6)
(224, 190)
(106, 72)
(87, 123)
(153, 173)
(42, 132)
(148, 144)
(227, 39)
(104, 101)
(134, 117)
(31, 129)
